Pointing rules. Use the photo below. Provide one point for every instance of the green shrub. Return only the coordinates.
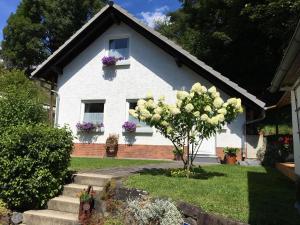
(231, 151)
(21, 100)
(34, 164)
(3, 209)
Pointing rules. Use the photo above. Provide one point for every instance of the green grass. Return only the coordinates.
(101, 163)
(256, 195)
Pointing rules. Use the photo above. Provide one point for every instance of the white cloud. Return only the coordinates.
(159, 14)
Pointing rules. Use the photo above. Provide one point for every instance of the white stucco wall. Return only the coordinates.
(296, 138)
(150, 69)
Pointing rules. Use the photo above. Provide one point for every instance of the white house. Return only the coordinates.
(87, 91)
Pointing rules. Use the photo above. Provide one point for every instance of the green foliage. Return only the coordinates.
(231, 151)
(38, 28)
(20, 100)
(34, 164)
(244, 40)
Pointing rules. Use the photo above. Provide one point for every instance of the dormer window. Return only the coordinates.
(119, 48)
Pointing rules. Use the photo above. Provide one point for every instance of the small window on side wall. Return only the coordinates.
(119, 48)
(93, 112)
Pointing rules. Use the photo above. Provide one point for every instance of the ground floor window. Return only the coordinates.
(132, 104)
(93, 111)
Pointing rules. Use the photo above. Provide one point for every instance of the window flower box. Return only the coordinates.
(109, 61)
(87, 127)
(131, 127)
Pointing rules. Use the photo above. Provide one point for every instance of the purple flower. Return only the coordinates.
(129, 126)
(88, 127)
(109, 60)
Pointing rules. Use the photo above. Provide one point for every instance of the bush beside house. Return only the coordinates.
(34, 156)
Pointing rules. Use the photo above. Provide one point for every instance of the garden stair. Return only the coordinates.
(64, 209)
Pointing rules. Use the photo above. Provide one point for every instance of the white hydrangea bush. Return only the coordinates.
(197, 115)
(154, 212)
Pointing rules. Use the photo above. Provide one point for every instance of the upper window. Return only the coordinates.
(119, 48)
(93, 112)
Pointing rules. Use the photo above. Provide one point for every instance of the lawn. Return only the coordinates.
(256, 195)
(101, 163)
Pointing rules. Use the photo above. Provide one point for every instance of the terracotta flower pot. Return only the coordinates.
(112, 151)
(230, 159)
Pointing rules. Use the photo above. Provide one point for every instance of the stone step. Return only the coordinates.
(72, 190)
(49, 217)
(64, 204)
(99, 180)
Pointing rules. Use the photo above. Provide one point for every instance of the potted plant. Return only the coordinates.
(129, 127)
(111, 145)
(177, 154)
(87, 202)
(88, 127)
(230, 155)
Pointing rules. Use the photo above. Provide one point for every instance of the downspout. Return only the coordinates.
(56, 108)
(262, 117)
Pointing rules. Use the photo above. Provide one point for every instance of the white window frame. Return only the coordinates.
(113, 37)
(82, 109)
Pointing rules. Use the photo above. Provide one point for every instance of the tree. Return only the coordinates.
(244, 40)
(197, 115)
(38, 28)
(20, 100)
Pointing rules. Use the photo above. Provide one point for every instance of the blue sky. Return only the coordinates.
(146, 10)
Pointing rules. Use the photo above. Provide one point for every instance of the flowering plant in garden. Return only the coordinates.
(197, 115)
(129, 126)
(88, 127)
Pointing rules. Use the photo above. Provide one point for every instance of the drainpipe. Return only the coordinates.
(262, 117)
(56, 108)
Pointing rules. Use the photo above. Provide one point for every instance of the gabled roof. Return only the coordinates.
(111, 14)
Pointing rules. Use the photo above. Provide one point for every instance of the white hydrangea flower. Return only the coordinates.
(203, 89)
(149, 95)
(222, 111)
(221, 117)
(197, 88)
(174, 110)
(158, 110)
(189, 107)
(192, 95)
(179, 103)
(204, 117)
(212, 90)
(150, 104)
(141, 102)
(133, 113)
(196, 114)
(181, 95)
(232, 101)
(207, 108)
(225, 104)
(156, 117)
(215, 94)
(145, 113)
(214, 120)
(218, 102)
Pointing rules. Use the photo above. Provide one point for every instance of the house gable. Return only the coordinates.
(113, 14)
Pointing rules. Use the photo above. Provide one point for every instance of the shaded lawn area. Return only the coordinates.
(102, 163)
(255, 195)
